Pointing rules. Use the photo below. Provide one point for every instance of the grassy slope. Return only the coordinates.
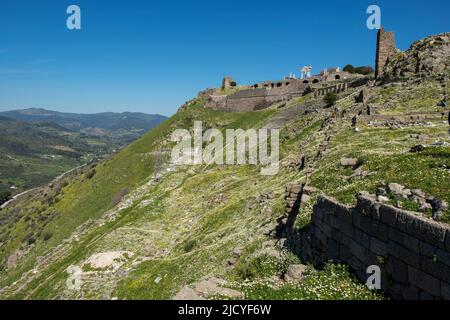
(185, 226)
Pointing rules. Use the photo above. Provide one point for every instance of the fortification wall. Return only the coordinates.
(412, 251)
(337, 88)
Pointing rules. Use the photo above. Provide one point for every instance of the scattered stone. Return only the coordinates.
(111, 260)
(231, 262)
(309, 190)
(295, 272)
(349, 162)
(381, 191)
(418, 193)
(381, 198)
(438, 207)
(282, 243)
(425, 207)
(187, 293)
(398, 190)
(237, 252)
(214, 286)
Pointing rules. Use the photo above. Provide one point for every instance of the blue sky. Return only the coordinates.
(151, 56)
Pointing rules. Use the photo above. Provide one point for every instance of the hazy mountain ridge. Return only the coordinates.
(105, 120)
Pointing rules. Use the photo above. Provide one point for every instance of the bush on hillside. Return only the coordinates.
(330, 98)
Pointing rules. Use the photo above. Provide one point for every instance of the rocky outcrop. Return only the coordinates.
(427, 57)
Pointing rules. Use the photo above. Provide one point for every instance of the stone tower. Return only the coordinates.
(385, 49)
(228, 82)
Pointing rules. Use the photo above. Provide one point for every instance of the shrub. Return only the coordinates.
(330, 98)
(365, 70)
(4, 196)
(349, 68)
(189, 245)
(47, 236)
(90, 173)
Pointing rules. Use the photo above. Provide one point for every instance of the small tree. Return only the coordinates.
(349, 68)
(365, 70)
(330, 98)
(4, 196)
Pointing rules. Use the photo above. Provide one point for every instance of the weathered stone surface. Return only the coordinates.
(388, 215)
(349, 162)
(359, 236)
(295, 272)
(398, 190)
(214, 286)
(424, 281)
(411, 293)
(378, 247)
(427, 57)
(404, 254)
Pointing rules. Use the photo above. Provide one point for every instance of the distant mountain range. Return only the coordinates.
(36, 145)
(126, 126)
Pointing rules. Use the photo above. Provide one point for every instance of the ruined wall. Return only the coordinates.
(259, 97)
(337, 88)
(412, 251)
(385, 49)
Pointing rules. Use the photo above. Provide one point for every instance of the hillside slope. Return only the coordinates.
(138, 227)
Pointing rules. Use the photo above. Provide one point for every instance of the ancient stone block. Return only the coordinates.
(404, 254)
(447, 240)
(361, 237)
(443, 256)
(294, 188)
(434, 267)
(388, 215)
(345, 227)
(424, 296)
(343, 213)
(358, 250)
(424, 281)
(426, 249)
(344, 253)
(399, 270)
(411, 293)
(445, 291)
(378, 247)
(378, 230)
(327, 204)
(422, 228)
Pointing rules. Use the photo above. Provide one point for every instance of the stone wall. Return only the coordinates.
(412, 251)
(337, 88)
(385, 49)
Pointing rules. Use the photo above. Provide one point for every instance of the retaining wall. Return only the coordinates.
(412, 251)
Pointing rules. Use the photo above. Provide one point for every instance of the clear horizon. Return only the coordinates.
(151, 58)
